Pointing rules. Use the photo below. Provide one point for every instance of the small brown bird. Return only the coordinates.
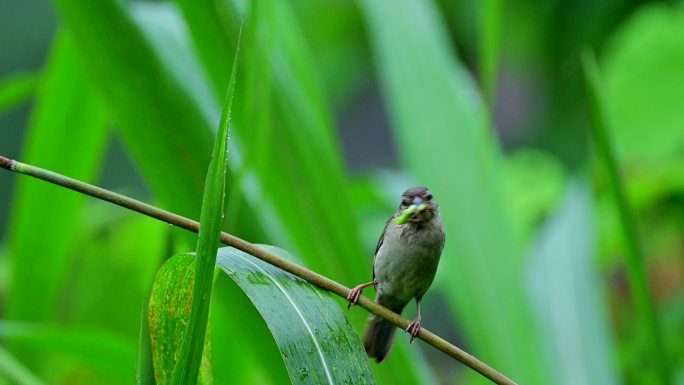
(404, 267)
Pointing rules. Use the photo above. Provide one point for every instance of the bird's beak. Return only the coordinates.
(417, 201)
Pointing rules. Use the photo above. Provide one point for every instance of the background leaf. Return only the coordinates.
(112, 356)
(14, 370)
(446, 143)
(68, 115)
(16, 89)
(568, 297)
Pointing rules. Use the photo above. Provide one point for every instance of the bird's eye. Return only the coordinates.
(428, 197)
(404, 203)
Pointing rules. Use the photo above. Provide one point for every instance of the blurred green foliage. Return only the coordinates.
(481, 101)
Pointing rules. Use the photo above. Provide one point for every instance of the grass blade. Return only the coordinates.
(16, 89)
(67, 115)
(636, 268)
(144, 371)
(491, 13)
(213, 37)
(190, 354)
(165, 129)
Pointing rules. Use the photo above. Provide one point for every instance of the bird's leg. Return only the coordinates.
(355, 293)
(414, 327)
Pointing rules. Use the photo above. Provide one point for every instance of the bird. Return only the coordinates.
(404, 266)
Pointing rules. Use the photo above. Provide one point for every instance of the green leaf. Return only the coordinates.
(286, 131)
(169, 314)
(16, 89)
(144, 371)
(644, 84)
(656, 361)
(67, 134)
(189, 356)
(568, 297)
(101, 351)
(535, 181)
(447, 144)
(164, 127)
(296, 157)
(208, 21)
(490, 15)
(315, 339)
(12, 369)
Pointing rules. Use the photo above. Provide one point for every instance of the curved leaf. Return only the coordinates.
(169, 312)
(315, 339)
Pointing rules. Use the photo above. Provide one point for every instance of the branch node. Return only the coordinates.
(7, 163)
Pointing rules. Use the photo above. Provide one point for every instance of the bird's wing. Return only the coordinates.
(382, 238)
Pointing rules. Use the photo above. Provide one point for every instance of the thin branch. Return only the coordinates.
(240, 244)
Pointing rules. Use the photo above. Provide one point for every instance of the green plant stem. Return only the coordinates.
(240, 244)
(491, 13)
(635, 257)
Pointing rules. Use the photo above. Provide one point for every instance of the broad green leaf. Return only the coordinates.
(169, 314)
(568, 297)
(103, 352)
(314, 338)
(163, 109)
(16, 89)
(190, 354)
(293, 166)
(67, 134)
(445, 141)
(317, 343)
(12, 369)
(644, 84)
(164, 128)
(258, 360)
(301, 169)
(120, 250)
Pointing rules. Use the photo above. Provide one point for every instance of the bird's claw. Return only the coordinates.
(354, 295)
(413, 329)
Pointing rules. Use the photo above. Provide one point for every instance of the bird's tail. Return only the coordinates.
(379, 334)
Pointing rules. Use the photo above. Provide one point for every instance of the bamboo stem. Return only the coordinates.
(270, 258)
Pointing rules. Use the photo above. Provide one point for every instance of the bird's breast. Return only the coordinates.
(406, 262)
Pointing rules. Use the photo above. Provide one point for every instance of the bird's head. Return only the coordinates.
(417, 196)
